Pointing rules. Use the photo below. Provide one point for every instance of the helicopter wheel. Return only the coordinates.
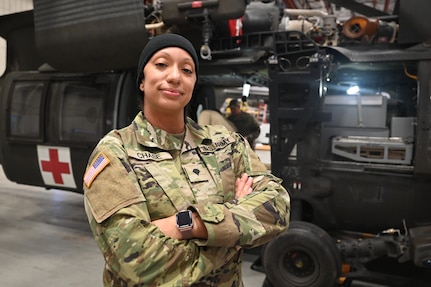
(303, 256)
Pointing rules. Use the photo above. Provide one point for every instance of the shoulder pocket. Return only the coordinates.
(113, 189)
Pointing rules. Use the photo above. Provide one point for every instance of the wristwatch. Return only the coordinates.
(185, 223)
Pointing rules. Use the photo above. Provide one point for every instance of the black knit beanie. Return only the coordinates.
(160, 42)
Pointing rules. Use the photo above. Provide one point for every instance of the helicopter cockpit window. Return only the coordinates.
(81, 117)
(25, 110)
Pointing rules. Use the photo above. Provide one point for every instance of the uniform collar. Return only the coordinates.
(153, 137)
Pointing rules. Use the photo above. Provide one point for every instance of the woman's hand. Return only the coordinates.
(243, 186)
(168, 225)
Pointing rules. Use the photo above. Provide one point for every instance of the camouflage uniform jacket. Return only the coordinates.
(141, 173)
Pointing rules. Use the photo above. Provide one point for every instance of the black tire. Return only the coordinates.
(303, 256)
(266, 283)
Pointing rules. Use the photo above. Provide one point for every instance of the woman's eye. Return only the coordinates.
(188, 71)
(160, 64)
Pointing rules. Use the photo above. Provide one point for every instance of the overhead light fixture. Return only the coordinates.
(353, 90)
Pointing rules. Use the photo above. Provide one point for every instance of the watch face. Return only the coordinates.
(184, 218)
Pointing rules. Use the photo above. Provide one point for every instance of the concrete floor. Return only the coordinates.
(45, 240)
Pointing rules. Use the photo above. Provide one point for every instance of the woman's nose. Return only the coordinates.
(174, 73)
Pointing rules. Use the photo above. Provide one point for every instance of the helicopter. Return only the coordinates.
(349, 104)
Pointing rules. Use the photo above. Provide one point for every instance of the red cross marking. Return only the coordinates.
(55, 166)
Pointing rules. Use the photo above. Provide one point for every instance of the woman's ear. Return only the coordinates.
(141, 85)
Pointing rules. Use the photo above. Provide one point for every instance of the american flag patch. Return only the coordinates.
(98, 164)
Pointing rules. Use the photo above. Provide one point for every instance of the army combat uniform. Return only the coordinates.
(140, 173)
